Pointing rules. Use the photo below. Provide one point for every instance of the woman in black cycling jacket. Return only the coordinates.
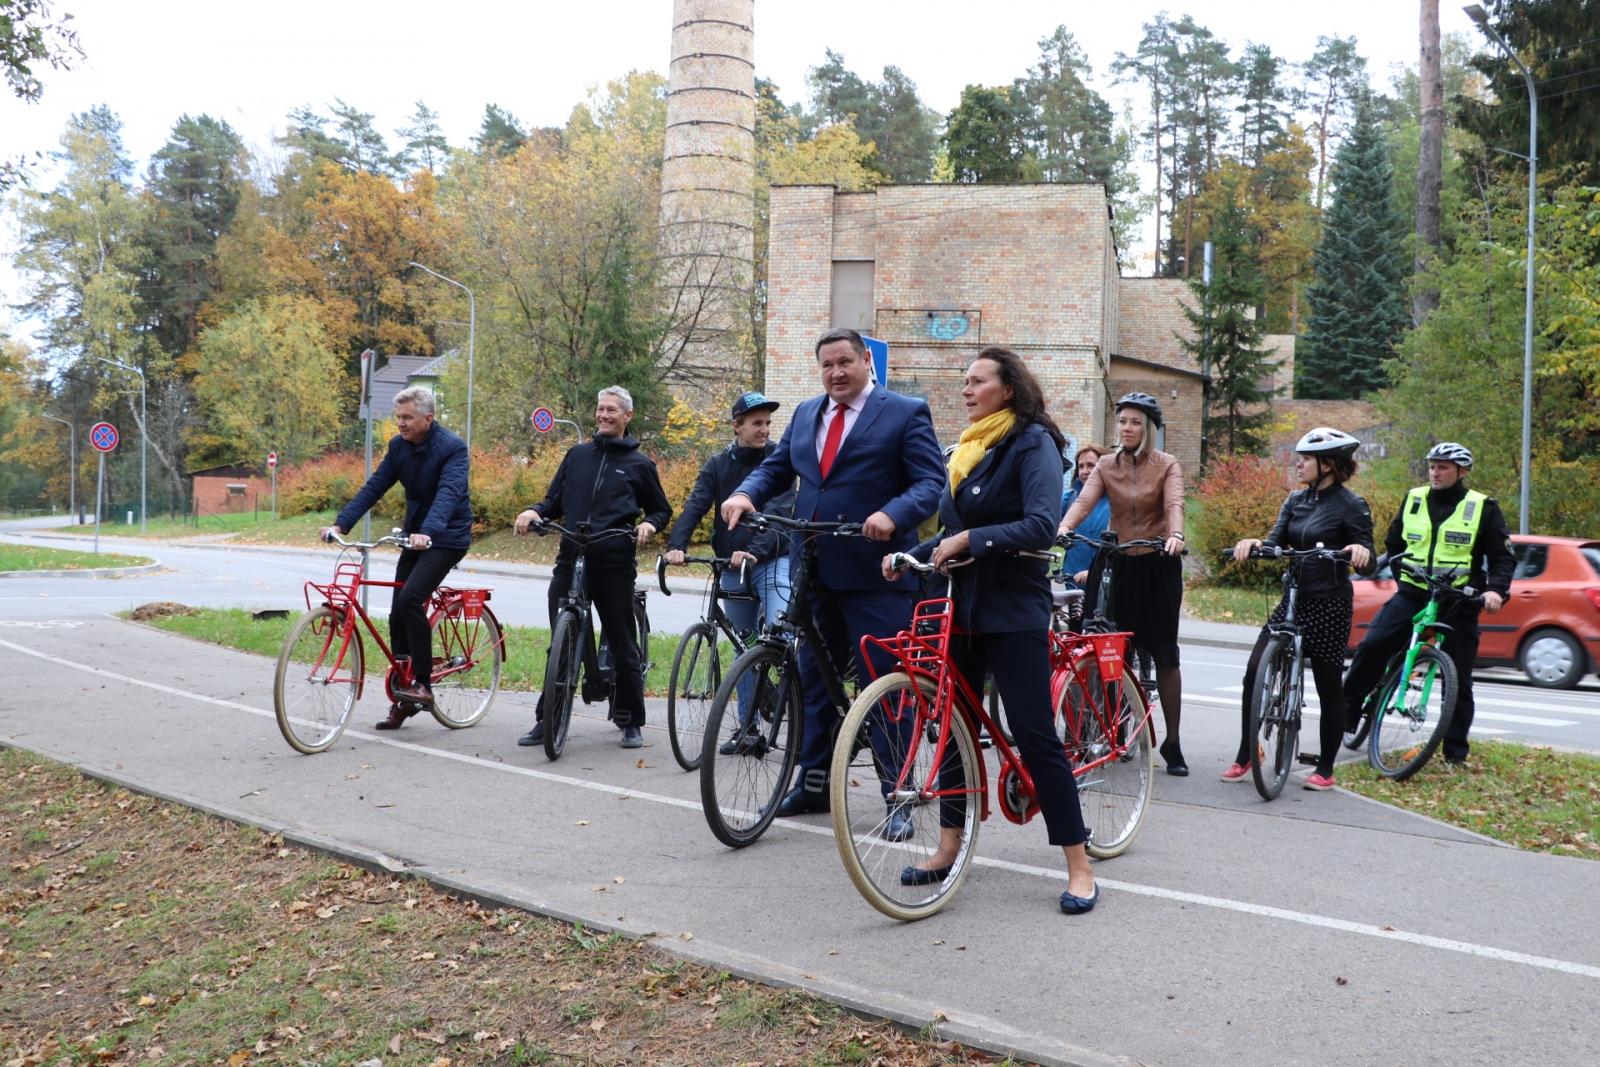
(1326, 512)
(1004, 495)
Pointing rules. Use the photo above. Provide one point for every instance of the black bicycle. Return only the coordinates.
(1278, 699)
(1103, 621)
(697, 666)
(750, 749)
(573, 658)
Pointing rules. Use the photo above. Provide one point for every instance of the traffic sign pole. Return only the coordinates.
(103, 436)
(272, 465)
(99, 495)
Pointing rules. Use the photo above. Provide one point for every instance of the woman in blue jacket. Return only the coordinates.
(1075, 565)
(432, 463)
(1003, 495)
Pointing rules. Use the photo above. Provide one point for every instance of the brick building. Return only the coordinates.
(942, 270)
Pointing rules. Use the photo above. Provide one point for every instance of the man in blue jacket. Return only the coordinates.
(432, 463)
(871, 456)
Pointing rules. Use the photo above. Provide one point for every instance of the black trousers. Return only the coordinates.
(1331, 727)
(610, 589)
(409, 632)
(1390, 633)
(1021, 662)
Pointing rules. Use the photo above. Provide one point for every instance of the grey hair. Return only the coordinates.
(419, 395)
(620, 393)
(1147, 443)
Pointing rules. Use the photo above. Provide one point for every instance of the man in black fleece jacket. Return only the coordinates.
(605, 482)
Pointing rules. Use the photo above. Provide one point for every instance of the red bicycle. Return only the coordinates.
(903, 750)
(322, 668)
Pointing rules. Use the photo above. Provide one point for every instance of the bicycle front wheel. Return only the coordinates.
(1412, 714)
(749, 752)
(893, 804)
(561, 681)
(696, 673)
(469, 656)
(319, 677)
(1112, 751)
(1274, 724)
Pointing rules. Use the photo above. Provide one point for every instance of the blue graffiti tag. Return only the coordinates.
(948, 329)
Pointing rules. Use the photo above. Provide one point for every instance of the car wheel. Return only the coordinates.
(1553, 659)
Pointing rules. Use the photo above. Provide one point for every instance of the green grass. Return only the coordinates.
(27, 558)
(1220, 603)
(525, 645)
(167, 529)
(1534, 798)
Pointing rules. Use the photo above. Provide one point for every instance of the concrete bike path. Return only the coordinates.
(1220, 937)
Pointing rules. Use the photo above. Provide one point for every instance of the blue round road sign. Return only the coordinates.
(103, 436)
(543, 420)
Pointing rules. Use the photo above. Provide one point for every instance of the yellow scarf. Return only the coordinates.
(976, 440)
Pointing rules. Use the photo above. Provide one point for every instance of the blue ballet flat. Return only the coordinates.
(917, 876)
(1080, 905)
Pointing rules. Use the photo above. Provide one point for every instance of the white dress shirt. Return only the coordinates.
(851, 412)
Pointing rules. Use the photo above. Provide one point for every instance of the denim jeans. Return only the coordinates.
(770, 581)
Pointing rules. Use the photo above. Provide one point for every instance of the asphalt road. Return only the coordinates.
(1222, 936)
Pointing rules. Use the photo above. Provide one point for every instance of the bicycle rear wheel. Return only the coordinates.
(561, 681)
(740, 787)
(878, 860)
(696, 674)
(316, 686)
(1274, 725)
(469, 655)
(1404, 738)
(1114, 795)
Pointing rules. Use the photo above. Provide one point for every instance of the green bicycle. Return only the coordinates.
(1406, 718)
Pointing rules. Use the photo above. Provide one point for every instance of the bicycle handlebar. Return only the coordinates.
(1066, 540)
(544, 525)
(1440, 584)
(394, 538)
(1333, 555)
(838, 529)
(713, 561)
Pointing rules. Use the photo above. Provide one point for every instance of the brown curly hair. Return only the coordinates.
(1027, 395)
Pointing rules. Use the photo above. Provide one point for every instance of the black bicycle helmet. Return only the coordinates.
(1326, 441)
(1143, 402)
(1451, 452)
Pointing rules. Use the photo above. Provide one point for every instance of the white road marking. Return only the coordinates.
(1529, 720)
(1158, 892)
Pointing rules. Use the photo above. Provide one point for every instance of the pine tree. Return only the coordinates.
(1228, 335)
(887, 113)
(501, 133)
(425, 144)
(983, 136)
(1067, 125)
(1358, 302)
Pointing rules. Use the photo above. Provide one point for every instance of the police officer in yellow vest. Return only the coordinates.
(1442, 525)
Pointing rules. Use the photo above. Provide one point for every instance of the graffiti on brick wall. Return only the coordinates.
(929, 325)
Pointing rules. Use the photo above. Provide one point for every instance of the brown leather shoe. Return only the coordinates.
(414, 694)
(398, 714)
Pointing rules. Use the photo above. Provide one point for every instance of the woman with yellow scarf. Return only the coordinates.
(1004, 496)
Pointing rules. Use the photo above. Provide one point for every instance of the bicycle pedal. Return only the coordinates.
(1308, 760)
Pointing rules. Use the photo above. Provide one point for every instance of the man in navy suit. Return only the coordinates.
(871, 456)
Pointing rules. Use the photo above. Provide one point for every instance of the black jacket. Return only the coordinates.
(1010, 501)
(606, 483)
(434, 472)
(1334, 517)
(719, 479)
(1492, 561)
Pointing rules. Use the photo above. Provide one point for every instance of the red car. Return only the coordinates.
(1549, 627)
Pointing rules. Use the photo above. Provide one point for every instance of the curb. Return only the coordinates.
(1215, 642)
(89, 572)
(910, 1017)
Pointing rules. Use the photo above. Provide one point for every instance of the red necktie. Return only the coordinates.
(830, 447)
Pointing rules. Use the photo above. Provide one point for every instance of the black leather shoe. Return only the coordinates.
(1172, 755)
(740, 744)
(801, 801)
(1080, 905)
(533, 737)
(899, 827)
(918, 876)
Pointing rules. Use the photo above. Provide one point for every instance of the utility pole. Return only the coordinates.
(1430, 164)
(472, 341)
(144, 447)
(72, 479)
(1205, 361)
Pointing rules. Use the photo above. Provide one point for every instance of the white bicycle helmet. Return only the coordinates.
(1451, 452)
(1326, 441)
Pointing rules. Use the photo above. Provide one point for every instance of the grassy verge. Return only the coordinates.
(301, 530)
(1534, 798)
(1220, 603)
(525, 645)
(133, 930)
(169, 529)
(28, 558)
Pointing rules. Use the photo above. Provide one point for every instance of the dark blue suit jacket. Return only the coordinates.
(1010, 501)
(890, 462)
(435, 473)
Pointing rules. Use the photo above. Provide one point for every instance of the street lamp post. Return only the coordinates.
(144, 437)
(1477, 14)
(472, 340)
(72, 452)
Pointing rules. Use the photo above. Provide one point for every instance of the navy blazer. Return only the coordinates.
(1010, 501)
(435, 473)
(890, 462)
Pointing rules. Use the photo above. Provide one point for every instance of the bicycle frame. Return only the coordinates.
(797, 622)
(1424, 630)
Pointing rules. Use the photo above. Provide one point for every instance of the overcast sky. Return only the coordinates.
(251, 63)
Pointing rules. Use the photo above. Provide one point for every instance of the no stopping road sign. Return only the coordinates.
(543, 419)
(103, 436)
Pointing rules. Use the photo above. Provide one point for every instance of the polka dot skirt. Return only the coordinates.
(1325, 622)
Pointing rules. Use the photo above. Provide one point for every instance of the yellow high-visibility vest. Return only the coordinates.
(1449, 546)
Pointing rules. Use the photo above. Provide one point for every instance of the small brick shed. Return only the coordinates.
(230, 488)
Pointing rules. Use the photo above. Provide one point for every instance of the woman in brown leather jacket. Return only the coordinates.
(1146, 491)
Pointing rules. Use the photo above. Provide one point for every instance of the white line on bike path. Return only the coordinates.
(1306, 918)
